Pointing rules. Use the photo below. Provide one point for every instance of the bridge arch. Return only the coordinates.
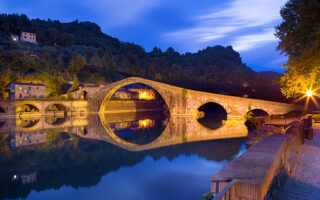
(211, 115)
(109, 91)
(55, 107)
(27, 108)
(84, 95)
(27, 123)
(257, 113)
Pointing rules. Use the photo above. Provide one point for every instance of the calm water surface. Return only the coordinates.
(139, 156)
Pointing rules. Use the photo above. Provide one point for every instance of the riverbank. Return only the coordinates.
(304, 182)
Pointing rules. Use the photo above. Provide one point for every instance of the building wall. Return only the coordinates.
(26, 139)
(28, 37)
(28, 91)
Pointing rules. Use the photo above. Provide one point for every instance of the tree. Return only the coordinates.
(299, 35)
(75, 85)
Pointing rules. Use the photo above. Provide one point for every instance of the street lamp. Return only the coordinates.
(309, 93)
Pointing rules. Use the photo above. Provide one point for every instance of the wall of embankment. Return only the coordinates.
(259, 170)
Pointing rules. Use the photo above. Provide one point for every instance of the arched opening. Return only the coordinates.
(134, 97)
(137, 128)
(84, 95)
(27, 108)
(27, 123)
(55, 120)
(128, 110)
(211, 115)
(256, 113)
(57, 114)
(55, 108)
(254, 118)
(84, 130)
(2, 110)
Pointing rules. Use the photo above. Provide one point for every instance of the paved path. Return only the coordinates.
(282, 122)
(304, 183)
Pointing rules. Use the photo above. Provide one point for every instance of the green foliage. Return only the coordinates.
(299, 35)
(81, 48)
(208, 196)
(75, 85)
(184, 138)
(248, 115)
(253, 123)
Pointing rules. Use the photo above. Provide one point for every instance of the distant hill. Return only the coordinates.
(81, 48)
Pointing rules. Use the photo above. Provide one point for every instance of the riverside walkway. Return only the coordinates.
(304, 182)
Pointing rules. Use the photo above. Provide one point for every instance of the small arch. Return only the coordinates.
(254, 118)
(55, 108)
(27, 108)
(256, 113)
(55, 120)
(27, 123)
(84, 95)
(211, 115)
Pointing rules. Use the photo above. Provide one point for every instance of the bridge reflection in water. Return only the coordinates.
(63, 149)
(131, 131)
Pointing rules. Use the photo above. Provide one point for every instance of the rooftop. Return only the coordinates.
(35, 84)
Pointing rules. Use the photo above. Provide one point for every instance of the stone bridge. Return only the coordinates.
(181, 101)
(67, 106)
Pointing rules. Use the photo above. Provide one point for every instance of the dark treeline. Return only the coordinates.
(81, 48)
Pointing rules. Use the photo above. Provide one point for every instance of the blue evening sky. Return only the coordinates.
(186, 25)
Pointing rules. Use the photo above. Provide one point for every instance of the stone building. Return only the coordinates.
(28, 37)
(26, 90)
(144, 93)
(123, 93)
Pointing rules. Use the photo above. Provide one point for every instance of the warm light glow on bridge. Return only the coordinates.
(145, 123)
(146, 96)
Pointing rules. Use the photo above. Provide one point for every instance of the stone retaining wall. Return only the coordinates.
(257, 168)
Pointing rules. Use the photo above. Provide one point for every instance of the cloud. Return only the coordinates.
(237, 17)
(202, 34)
(248, 13)
(120, 12)
(247, 42)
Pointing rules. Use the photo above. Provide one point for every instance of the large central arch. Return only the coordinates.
(113, 88)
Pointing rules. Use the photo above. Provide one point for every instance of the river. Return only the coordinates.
(138, 156)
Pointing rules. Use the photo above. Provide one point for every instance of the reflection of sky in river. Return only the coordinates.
(186, 177)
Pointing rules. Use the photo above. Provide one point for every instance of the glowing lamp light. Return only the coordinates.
(144, 123)
(309, 93)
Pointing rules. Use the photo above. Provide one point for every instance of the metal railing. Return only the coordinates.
(228, 192)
